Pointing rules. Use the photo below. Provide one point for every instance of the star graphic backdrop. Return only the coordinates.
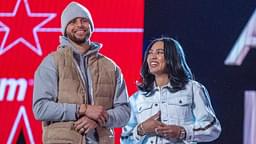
(30, 30)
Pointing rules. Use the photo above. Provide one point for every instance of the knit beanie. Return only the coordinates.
(72, 11)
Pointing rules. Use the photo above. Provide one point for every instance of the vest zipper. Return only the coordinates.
(89, 81)
(81, 75)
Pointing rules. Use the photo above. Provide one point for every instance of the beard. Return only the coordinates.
(79, 39)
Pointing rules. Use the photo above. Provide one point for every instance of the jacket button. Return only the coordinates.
(180, 101)
(156, 104)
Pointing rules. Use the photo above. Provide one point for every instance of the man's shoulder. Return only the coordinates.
(105, 58)
(106, 61)
(61, 49)
(59, 53)
(47, 63)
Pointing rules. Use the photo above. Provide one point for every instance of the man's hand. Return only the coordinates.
(97, 113)
(84, 124)
(151, 123)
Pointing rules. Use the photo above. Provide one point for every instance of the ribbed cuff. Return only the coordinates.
(189, 133)
(137, 137)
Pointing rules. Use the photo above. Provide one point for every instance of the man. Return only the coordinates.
(79, 94)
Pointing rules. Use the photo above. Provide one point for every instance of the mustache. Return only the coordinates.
(82, 29)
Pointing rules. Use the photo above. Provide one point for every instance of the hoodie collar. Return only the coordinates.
(94, 46)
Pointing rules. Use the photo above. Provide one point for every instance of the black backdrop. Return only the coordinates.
(207, 30)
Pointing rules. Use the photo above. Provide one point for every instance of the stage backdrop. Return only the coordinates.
(30, 30)
(219, 39)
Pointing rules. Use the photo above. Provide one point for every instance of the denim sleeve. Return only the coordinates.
(129, 132)
(120, 113)
(206, 126)
(45, 107)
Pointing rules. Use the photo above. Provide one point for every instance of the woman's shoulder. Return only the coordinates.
(195, 83)
(137, 94)
(138, 97)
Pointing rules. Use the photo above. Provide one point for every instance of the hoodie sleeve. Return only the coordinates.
(120, 113)
(44, 106)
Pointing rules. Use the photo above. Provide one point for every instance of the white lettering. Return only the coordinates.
(15, 85)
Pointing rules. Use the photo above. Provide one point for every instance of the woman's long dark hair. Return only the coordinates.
(178, 71)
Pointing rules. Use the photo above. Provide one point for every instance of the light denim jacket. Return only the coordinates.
(190, 108)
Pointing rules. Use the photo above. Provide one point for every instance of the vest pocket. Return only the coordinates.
(61, 133)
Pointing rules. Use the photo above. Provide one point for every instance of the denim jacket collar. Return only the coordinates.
(157, 88)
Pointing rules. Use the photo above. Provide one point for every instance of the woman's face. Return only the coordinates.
(156, 60)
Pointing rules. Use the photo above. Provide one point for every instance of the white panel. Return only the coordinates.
(250, 117)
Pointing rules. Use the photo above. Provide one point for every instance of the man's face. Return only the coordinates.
(78, 30)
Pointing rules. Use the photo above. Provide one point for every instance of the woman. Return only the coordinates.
(169, 107)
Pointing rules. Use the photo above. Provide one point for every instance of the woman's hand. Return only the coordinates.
(149, 126)
(170, 131)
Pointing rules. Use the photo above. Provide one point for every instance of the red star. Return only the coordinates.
(21, 26)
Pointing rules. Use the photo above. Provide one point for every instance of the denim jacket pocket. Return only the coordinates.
(180, 108)
(144, 111)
